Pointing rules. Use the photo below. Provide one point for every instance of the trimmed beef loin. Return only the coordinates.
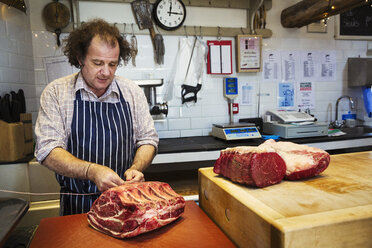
(302, 161)
(270, 162)
(254, 166)
(134, 208)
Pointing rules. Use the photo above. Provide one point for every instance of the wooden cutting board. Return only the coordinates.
(333, 209)
(192, 229)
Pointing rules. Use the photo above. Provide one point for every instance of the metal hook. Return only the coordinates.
(242, 30)
(186, 32)
(201, 35)
(132, 30)
(125, 25)
(219, 33)
(195, 31)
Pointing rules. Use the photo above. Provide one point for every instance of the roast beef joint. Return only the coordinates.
(135, 208)
(270, 162)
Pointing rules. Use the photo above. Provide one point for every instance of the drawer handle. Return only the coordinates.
(205, 195)
(227, 214)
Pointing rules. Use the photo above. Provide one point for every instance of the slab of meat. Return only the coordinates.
(134, 208)
(254, 166)
(302, 161)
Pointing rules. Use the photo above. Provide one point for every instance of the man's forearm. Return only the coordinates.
(143, 158)
(64, 163)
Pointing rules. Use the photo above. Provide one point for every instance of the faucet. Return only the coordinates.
(337, 123)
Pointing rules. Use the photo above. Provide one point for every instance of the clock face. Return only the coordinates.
(169, 14)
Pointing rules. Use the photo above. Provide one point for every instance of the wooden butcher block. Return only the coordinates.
(333, 209)
(192, 229)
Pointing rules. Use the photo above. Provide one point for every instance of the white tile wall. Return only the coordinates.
(16, 55)
(195, 118)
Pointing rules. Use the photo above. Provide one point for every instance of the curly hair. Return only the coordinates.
(78, 42)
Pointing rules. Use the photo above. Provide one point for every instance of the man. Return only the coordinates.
(94, 128)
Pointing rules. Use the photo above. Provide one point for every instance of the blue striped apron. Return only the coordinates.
(101, 133)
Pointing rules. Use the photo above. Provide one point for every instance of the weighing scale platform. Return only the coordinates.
(235, 131)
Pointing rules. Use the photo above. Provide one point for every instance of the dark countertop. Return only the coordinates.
(210, 143)
(11, 212)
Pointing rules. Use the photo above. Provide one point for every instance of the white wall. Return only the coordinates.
(197, 119)
(16, 55)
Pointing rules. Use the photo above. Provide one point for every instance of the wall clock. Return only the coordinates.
(169, 14)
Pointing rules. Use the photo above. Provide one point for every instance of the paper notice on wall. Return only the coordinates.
(290, 65)
(215, 56)
(247, 94)
(286, 97)
(305, 95)
(309, 66)
(327, 61)
(226, 59)
(56, 67)
(271, 66)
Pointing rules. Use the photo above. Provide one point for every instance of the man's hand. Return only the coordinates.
(103, 177)
(134, 176)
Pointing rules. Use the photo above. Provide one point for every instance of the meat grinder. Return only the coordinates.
(149, 88)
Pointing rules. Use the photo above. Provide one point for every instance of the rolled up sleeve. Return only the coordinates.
(50, 128)
(145, 133)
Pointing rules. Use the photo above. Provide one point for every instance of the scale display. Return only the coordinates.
(235, 133)
(230, 86)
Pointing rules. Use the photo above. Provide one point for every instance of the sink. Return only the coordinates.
(357, 130)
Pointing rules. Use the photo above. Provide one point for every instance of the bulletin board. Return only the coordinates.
(249, 49)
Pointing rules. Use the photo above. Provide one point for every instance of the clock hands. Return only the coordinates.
(170, 9)
(174, 13)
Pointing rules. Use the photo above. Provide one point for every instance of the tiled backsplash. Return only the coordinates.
(192, 119)
(16, 56)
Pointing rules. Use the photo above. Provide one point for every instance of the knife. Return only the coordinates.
(5, 108)
(22, 100)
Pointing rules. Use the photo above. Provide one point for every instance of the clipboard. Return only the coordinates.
(219, 59)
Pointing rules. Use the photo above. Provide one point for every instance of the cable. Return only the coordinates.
(56, 193)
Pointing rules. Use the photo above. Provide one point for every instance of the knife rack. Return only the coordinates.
(250, 5)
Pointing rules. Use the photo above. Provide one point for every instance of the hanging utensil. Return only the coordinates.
(188, 89)
(159, 49)
(56, 15)
(124, 35)
(142, 13)
(134, 47)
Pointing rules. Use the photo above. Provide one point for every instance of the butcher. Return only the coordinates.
(94, 128)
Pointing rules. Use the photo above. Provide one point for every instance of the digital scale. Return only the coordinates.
(234, 131)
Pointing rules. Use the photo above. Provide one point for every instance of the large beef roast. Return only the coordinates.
(270, 162)
(302, 161)
(134, 208)
(254, 166)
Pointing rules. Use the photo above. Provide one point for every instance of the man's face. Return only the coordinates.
(100, 65)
